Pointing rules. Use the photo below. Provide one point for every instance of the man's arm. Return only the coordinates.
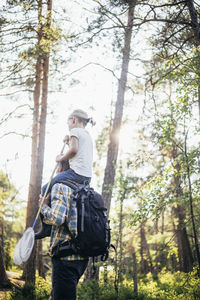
(56, 214)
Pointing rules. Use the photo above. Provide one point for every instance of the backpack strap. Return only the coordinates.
(64, 249)
(72, 184)
(79, 189)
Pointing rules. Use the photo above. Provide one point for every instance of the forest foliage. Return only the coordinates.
(150, 180)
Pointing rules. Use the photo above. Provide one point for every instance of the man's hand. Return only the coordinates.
(46, 200)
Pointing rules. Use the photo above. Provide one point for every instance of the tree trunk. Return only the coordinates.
(113, 146)
(135, 280)
(114, 135)
(146, 265)
(173, 258)
(157, 254)
(163, 221)
(4, 281)
(33, 194)
(39, 259)
(194, 21)
(196, 30)
(199, 98)
(184, 250)
(191, 209)
(90, 273)
(38, 138)
(120, 237)
(116, 266)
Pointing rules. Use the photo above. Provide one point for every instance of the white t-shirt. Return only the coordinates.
(81, 163)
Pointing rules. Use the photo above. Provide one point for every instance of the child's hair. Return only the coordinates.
(82, 117)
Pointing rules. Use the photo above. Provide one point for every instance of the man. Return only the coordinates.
(66, 271)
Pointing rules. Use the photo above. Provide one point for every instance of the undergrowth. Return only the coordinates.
(166, 286)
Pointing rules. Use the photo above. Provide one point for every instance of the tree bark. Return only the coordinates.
(4, 281)
(163, 221)
(191, 208)
(38, 137)
(194, 21)
(144, 251)
(184, 250)
(199, 99)
(116, 266)
(173, 258)
(90, 273)
(113, 146)
(157, 254)
(109, 174)
(120, 237)
(135, 279)
(196, 30)
(39, 259)
(33, 194)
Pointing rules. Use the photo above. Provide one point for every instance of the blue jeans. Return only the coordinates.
(66, 175)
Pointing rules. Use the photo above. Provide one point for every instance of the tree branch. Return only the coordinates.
(92, 63)
(7, 116)
(109, 12)
(162, 5)
(13, 132)
(13, 93)
(161, 20)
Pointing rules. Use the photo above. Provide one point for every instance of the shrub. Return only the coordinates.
(27, 292)
(176, 286)
(88, 290)
(41, 291)
(91, 290)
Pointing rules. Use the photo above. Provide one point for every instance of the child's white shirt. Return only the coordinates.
(81, 163)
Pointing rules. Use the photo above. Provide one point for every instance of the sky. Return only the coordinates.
(94, 92)
(15, 156)
(92, 89)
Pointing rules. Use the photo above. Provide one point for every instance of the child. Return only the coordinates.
(79, 155)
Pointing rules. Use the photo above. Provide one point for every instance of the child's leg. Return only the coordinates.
(44, 189)
(44, 231)
(66, 175)
(73, 176)
(46, 228)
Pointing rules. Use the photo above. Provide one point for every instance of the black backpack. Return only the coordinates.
(93, 238)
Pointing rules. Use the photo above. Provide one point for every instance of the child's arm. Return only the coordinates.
(73, 149)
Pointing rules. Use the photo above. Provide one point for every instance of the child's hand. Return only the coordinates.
(59, 158)
(66, 139)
